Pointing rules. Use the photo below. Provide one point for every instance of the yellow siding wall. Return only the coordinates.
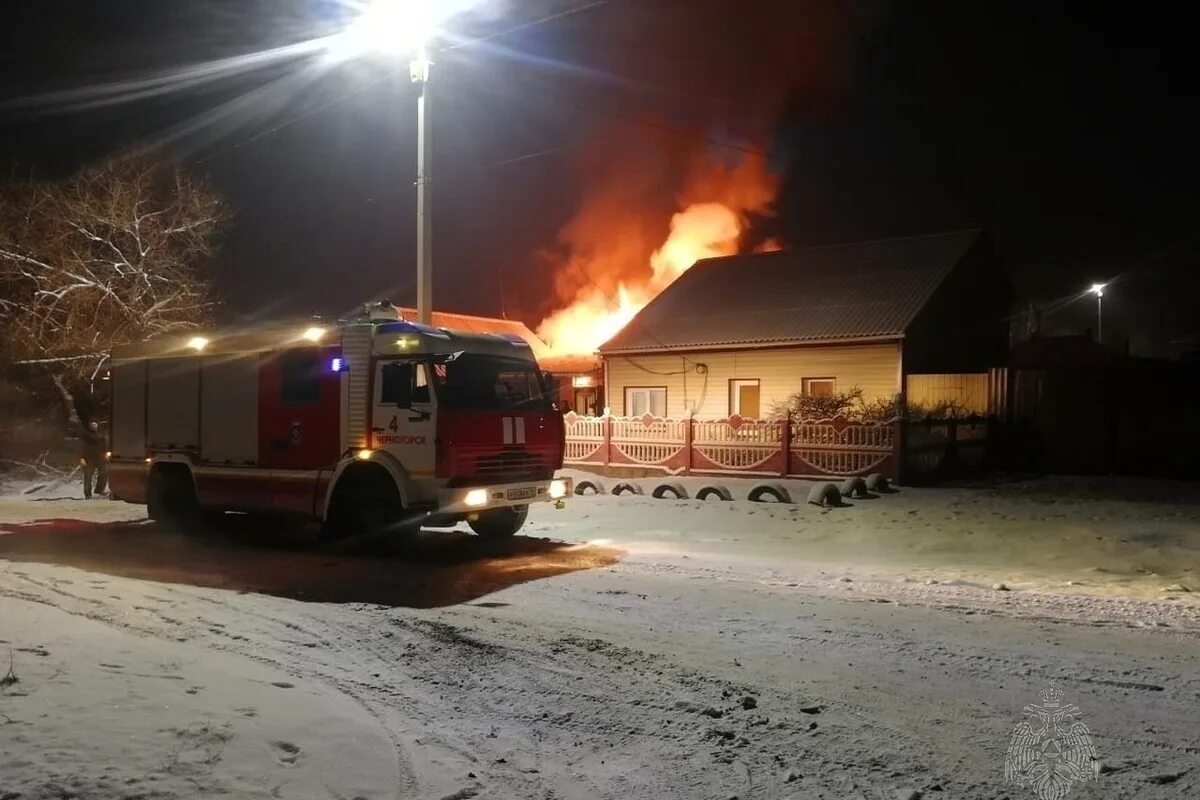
(969, 390)
(873, 368)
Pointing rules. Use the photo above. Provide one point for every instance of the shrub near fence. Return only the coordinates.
(735, 446)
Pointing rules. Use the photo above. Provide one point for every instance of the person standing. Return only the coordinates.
(94, 461)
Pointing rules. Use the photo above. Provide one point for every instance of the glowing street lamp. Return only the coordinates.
(1098, 290)
(404, 27)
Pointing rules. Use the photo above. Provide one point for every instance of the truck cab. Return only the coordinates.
(372, 424)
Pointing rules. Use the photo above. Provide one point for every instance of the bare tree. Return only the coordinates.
(115, 254)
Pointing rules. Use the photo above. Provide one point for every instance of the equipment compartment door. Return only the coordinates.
(403, 421)
(299, 408)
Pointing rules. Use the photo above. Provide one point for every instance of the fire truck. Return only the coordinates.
(371, 424)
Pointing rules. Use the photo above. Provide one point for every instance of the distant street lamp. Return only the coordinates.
(1098, 290)
(404, 27)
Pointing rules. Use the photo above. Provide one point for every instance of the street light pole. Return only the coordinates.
(407, 26)
(1098, 290)
(419, 72)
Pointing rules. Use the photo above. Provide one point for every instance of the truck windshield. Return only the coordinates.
(489, 382)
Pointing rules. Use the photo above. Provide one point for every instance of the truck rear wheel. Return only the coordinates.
(499, 523)
(171, 498)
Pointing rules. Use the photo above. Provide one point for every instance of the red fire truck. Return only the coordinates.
(371, 424)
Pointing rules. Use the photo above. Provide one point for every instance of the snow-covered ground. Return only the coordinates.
(623, 647)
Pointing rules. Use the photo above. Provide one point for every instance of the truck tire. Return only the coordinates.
(171, 499)
(369, 503)
(499, 523)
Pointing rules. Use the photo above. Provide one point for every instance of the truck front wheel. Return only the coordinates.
(367, 503)
(499, 523)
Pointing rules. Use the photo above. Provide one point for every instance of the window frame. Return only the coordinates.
(539, 390)
(735, 398)
(416, 367)
(806, 384)
(649, 402)
(422, 370)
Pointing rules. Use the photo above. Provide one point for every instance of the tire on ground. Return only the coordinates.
(589, 487)
(824, 494)
(625, 486)
(670, 490)
(854, 487)
(499, 523)
(715, 490)
(171, 497)
(878, 482)
(770, 490)
(365, 502)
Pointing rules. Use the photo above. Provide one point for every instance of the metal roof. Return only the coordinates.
(473, 324)
(565, 364)
(860, 291)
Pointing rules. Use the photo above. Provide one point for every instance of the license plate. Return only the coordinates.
(525, 493)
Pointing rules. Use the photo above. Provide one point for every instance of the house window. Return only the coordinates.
(744, 398)
(300, 378)
(819, 387)
(642, 400)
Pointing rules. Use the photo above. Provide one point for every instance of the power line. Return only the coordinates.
(393, 73)
(526, 25)
(299, 117)
(682, 133)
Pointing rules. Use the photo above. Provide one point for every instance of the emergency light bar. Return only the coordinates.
(411, 327)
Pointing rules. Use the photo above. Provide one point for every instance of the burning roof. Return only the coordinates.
(864, 290)
(609, 271)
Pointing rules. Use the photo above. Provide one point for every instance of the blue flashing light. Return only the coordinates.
(405, 327)
(412, 327)
(338, 364)
(399, 327)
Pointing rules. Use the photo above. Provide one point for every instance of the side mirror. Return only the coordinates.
(548, 384)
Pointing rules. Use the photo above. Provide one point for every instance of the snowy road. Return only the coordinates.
(642, 649)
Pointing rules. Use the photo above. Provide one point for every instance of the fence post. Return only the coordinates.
(951, 460)
(900, 443)
(786, 464)
(607, 439)
(689, 436)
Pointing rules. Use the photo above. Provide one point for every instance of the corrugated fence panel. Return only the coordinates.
(968, 390)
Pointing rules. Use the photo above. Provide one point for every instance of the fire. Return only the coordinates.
(589, 322)
(702, 230)
(715, 205)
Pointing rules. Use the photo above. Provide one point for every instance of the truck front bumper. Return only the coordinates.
(473, 499)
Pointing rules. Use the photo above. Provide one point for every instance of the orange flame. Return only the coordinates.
(715, 206)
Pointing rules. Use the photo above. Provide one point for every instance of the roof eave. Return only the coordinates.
(699, 348)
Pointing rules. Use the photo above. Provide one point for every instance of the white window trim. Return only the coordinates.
(630, 391)
(805, 383)
(735, 397)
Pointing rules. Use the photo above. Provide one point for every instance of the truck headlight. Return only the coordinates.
(476, 497)
(558, 489)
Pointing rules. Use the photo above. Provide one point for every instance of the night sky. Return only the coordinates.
(1067, 130)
